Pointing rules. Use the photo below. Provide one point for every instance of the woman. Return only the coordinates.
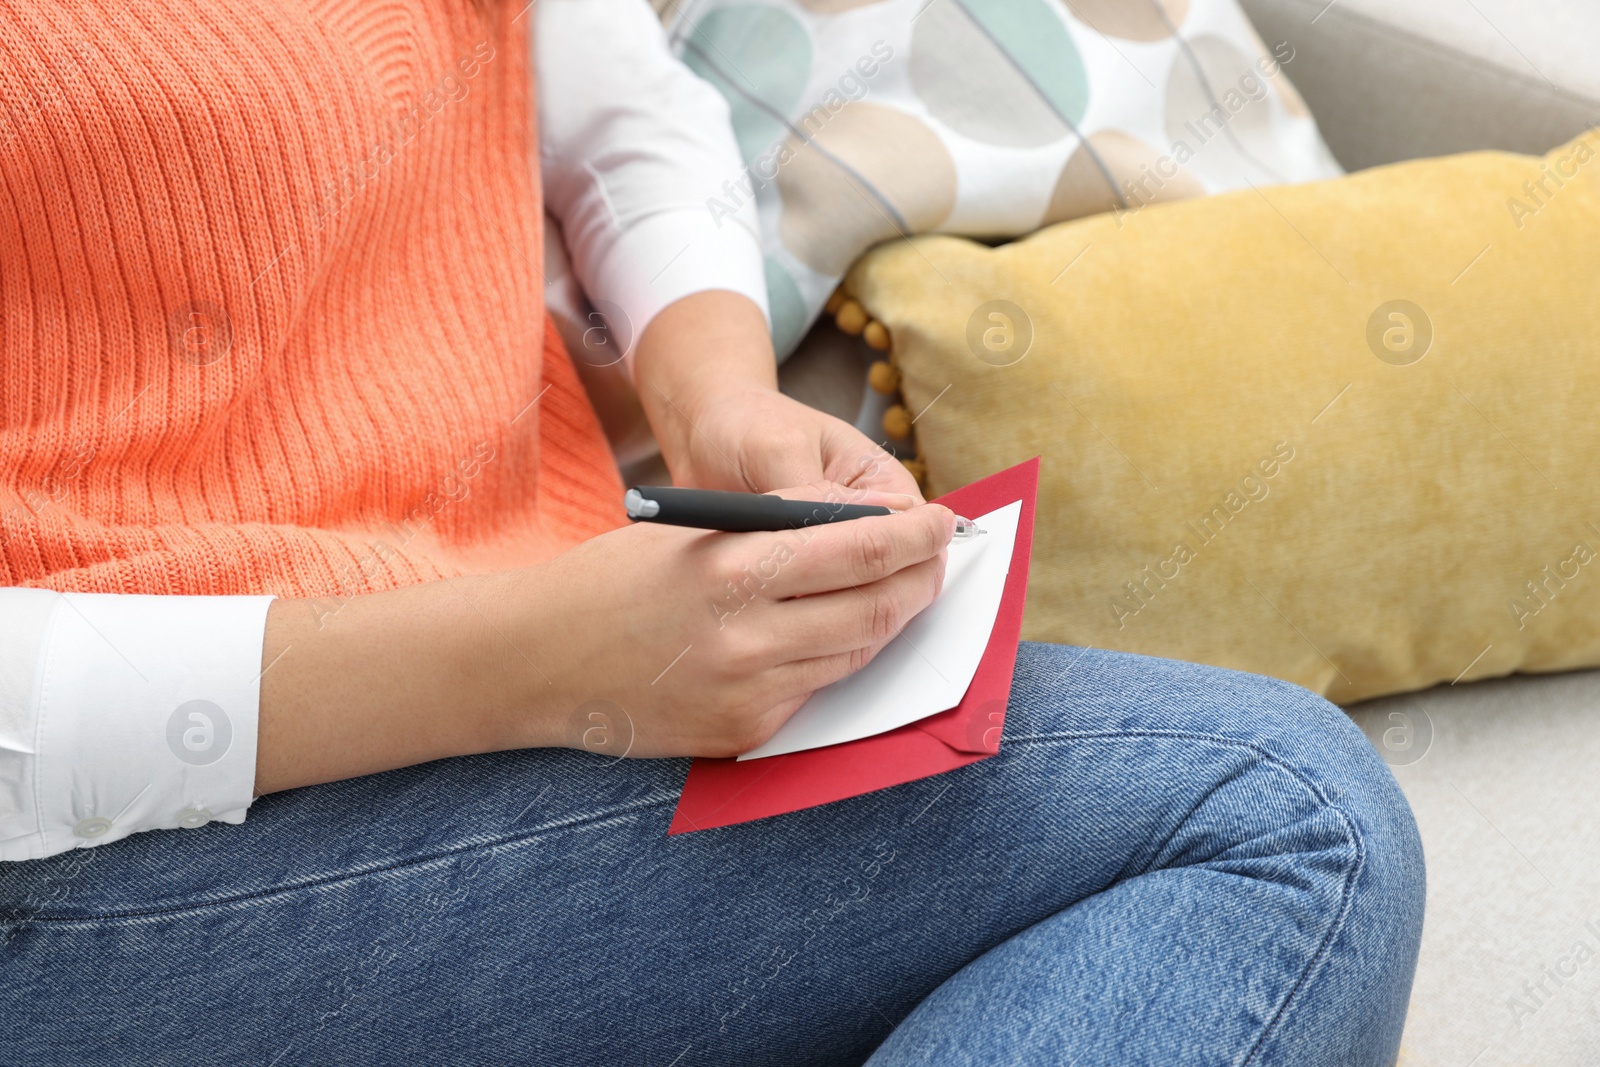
(271, 328)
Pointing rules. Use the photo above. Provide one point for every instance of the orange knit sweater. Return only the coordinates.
(270, 314)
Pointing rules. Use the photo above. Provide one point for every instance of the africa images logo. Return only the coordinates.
(1399, 333)
(199, 733)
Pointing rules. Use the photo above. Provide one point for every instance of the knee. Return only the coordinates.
(1324, 746)
(1375, 921)
(1260, 770)
(1263, 718)
(1371, 959)
(1319, 744)
(1315, 740)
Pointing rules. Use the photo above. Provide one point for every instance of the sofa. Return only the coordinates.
(1501, 774)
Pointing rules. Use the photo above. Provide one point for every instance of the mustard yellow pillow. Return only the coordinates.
(1346, 434)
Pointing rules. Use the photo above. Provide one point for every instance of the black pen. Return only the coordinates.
(712, 509)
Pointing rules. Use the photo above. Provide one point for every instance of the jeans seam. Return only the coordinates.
(1178, 826)
(342, 877)
(1337, 925)
(1351, 836)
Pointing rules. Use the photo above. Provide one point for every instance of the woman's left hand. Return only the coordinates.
(756, 439)
(708, 382)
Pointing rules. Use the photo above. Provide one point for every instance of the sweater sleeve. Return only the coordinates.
(633, 147)
(124, 713)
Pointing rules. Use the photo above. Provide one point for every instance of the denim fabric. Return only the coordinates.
(1166, 864)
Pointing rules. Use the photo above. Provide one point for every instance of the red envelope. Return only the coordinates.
(722, 792)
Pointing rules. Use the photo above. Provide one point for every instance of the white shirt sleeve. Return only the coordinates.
(124, 713)
(633, 148)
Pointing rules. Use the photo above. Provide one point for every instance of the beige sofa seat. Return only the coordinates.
(1502, 778)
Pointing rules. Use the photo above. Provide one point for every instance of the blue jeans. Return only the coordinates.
(1166, 864)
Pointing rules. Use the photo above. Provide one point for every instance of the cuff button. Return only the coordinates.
(95, 827)
(189, 818)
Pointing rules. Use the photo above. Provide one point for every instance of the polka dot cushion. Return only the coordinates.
(865, 120)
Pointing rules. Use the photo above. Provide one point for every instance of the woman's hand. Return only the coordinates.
(755, 439)
(657, 641)
(646, 641)
(708, 382)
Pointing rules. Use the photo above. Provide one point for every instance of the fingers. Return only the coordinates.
(845, 555)
(896, 480)
(826, 492)
(809, 675)
(888, 476)
(847, 620)
(849, 456)
(793, 467)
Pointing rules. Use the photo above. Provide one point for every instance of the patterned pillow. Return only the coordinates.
(863, 120)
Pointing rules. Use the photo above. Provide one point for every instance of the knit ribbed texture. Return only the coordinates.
(270, 313)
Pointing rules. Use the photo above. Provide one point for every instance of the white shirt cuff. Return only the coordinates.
(144, 716)
(638, 157)
(663, 258)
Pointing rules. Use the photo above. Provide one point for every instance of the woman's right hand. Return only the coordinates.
(653, 640)
(646, 641)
